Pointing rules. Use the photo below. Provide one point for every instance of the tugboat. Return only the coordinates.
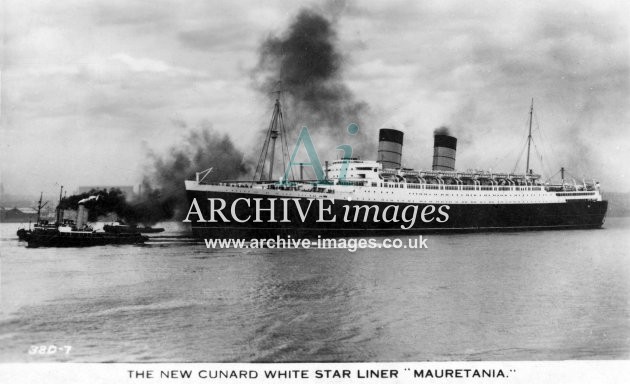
(70, 236)
(23, 233)
(67, 233)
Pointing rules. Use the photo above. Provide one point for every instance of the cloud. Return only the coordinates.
(148, 65)
(217, 38)
(475, 68)
(116, 85)
(112, 74)
(133, 13)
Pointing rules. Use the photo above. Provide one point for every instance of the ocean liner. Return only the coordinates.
(356, 197)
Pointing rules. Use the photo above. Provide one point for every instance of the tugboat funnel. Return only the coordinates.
(82, 216)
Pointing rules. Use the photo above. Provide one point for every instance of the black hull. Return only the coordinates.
(23, 234)
(461, 218)
(130, 229)
(150, 230)
(69, 239)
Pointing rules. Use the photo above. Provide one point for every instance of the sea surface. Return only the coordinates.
(549, 295)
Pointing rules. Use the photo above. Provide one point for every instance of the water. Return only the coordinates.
(552, 295)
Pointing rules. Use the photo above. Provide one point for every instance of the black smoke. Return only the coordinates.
(306, 64)
(108, 201)
(163, 195)
(443, 130)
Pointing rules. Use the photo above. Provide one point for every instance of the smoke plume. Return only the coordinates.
(163, 194)
(443, 130)
(107, 201)
(305, 63)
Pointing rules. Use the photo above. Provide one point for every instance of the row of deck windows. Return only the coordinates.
(575, 193)
(457, 187)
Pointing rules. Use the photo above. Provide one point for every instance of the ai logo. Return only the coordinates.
(305, 139)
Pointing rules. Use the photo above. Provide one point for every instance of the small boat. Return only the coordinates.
(70, 236)
(67, 233)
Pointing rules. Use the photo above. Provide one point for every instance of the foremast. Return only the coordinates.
(267, 155)
(529, 138)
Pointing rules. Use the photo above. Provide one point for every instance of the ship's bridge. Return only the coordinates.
(356, 170)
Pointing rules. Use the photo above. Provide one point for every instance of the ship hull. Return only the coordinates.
(23, 234)
(69, 239)
(130, 229)
(577, 214)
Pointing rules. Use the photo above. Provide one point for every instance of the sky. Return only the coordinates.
(91, 91)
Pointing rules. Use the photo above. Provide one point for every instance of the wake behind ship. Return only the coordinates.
(360, 198)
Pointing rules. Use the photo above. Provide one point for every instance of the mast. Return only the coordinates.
(274, 135)
(529, 137)
(276, 129)
(59, 210)
(40, 206)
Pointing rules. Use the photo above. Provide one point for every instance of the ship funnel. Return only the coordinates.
(82, 216)
(390, 143)
(444, 148)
